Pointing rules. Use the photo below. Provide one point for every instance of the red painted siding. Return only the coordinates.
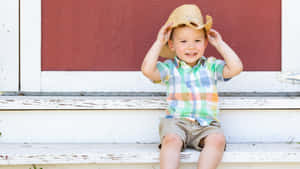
(115, 35)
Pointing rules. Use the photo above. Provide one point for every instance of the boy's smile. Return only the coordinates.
(189, 44)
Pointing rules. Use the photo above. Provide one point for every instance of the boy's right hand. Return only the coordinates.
(149, 67)
(164, 33)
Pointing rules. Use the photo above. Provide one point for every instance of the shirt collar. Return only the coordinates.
(180, 63)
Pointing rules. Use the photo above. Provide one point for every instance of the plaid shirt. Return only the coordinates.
(192, 91)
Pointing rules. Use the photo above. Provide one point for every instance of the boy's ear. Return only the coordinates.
(171, 45)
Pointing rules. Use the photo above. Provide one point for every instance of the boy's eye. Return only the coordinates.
(197, 40)
(183, 41)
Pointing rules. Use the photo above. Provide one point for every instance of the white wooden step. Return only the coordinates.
(55, 122)
(135, 119)
(138, 126)
(22, 154)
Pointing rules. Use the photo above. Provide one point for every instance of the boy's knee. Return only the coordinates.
(172, 139)
(216, 140)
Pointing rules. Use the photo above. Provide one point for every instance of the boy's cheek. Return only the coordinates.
(180, 47)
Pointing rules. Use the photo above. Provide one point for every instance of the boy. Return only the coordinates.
(190, 78)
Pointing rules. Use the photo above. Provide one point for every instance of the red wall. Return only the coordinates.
(116, 34)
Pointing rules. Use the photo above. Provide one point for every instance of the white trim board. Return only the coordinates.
(33, 79)
(9, 45)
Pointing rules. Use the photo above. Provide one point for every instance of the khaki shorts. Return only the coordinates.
(190, 132)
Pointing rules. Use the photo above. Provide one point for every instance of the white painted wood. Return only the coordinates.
(135, 103)
(138, 126)
(156, 166)
(30, 53)
(35, 80)
(9, 45)
(291, 77)
(135, 81)
(290, 35)
(20, 154)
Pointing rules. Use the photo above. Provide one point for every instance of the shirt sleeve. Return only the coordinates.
(164, 70)
(216, 66)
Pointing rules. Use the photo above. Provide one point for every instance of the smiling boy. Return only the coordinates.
(192, 116)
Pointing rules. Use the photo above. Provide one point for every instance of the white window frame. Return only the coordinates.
(33, 79)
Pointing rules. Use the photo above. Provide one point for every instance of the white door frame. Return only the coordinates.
(9, 45)
(33, 79)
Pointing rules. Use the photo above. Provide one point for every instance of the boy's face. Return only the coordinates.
(189, 44)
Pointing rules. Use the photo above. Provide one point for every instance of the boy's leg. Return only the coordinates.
(170, 151)
(212, 153)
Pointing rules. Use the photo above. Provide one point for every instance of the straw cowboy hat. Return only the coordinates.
(189, 15)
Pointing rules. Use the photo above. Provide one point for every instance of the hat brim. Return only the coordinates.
(166, 52)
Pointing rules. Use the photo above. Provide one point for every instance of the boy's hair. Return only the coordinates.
(183, 25)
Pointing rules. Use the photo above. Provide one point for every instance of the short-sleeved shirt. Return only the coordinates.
(192, 91)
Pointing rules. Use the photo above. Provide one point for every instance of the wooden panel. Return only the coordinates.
(115, 35)
(9, 45)
(138, 126)
(138, 103)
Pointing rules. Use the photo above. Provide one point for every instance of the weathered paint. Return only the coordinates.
(291, 77)
(22, 154)
(136, 103)
(155, 166)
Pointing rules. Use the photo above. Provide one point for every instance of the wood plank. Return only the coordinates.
(156, 166)
(21, 154)
(139, 126)
(135, 103)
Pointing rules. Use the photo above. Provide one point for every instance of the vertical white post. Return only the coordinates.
(290, 35)
(30, 45)
(9, 45)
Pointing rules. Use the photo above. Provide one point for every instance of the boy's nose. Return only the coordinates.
(191, 46)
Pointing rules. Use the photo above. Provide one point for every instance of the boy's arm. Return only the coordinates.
(149, 68)
(233, 63)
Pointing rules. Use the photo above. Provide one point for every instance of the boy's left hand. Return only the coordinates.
(233, 64)
(214, 38)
